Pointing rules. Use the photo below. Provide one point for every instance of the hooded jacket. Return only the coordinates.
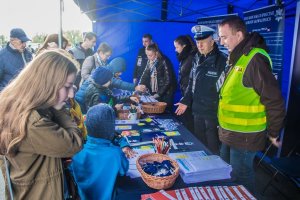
(258, 76)
(36, 170)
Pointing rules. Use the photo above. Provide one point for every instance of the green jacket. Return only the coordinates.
(36, 170)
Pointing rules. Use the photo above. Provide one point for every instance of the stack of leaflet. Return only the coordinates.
(198, 167)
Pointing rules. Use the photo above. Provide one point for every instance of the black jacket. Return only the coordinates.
(201, 92)
(185, 59)
(140, 65)
(80, 54)
(166, 80)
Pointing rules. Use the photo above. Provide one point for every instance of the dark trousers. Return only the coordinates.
(187, 119)
(206, 130)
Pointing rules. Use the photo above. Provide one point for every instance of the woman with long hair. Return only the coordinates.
(185, 51)
(159, 76)
(51, 42)
(36, 131)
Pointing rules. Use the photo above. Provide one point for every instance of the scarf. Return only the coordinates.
(153, 76)
(77, 116)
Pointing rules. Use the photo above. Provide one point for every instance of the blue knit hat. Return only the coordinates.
(117, 65)
(100, 121)
(101, 75)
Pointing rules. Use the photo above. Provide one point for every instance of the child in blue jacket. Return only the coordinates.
(97, 166)
(96, 90)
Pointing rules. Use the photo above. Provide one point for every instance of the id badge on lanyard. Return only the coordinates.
(220, 81)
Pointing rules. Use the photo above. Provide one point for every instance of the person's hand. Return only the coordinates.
(119, 106)
(180, 109)
(274, 141)
(140, 88)
(134, 99)
(129, 153)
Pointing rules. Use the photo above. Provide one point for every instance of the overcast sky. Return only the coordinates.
(41, 16)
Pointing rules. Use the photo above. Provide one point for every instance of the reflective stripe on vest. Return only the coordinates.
(240, 109)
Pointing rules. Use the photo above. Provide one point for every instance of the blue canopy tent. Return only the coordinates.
(121, 23)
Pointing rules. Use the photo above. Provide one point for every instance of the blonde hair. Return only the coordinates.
(36, 87)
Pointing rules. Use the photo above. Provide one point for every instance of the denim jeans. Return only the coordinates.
(241, 161)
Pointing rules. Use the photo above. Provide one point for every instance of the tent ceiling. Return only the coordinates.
(169, 10)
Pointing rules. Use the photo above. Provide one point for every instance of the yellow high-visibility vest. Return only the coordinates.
(240, 108)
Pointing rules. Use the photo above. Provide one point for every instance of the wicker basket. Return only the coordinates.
(156, 182)
(155, 107)
(123, 114)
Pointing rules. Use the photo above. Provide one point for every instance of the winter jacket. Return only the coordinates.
(185, 59)
(166, 80)
(201, 93)
(97, 167)
(80, 54)
(258, 76)
(11, 63)
(141, 63)
(90, 94)
(89, 64)
(120, 84)
(92, 62)
(36, 170)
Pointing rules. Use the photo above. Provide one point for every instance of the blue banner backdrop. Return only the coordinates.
(269, 22)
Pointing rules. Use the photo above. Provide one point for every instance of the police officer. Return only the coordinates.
(202, 93)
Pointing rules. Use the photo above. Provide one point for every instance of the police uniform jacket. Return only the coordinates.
(201, 92)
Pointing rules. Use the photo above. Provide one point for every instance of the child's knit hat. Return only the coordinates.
(101, 75)
(100, 121)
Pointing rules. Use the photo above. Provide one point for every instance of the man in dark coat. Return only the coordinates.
(202, 94)
(141, 60)
(82, 50)
(14, 56)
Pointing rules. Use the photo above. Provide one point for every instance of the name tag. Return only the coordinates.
(212, 73)
(139, 62)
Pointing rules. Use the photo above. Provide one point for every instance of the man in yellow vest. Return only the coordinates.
(251, 108)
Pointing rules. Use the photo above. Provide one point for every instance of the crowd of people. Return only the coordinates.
(231, 103)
